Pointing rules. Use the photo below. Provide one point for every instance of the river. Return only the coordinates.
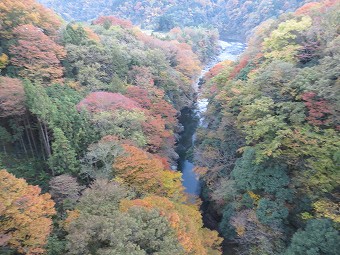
(191, 118)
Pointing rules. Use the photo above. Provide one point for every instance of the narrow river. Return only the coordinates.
(192, 118)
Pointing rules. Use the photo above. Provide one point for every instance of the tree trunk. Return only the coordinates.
(42, 132)
(29, 138)
(4, 146)
(23, 145)
(31, 135)
(48, 140)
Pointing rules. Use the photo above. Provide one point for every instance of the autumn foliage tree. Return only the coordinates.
(25, 221)
(36, 55)
(23, 12)
(185, 220)
(12, 97)
(105, 101)
(145, 173)
(108, 21)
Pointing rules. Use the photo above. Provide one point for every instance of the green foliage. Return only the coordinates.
(55, 246)
(99, 158)
(102, 229)
(319, 237)
(32, 170)
(271, 212)
(234, 19)
(74, 34)
(270, 177)
(281, 44)
(226, 229)
(122, 123)
(63, 158)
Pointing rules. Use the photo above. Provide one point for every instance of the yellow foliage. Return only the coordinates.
(3, 60)
(185, 220)
(328, 209)
(255, 197)
(306, 216)
(281, 43)
(71, 217)
(146, 173)
(25, 221)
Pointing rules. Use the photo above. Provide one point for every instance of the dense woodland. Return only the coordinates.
(89, 113)
(270, 153)
(89, 125)
(235, 19)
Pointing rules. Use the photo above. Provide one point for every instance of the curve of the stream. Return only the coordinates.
(191, 118)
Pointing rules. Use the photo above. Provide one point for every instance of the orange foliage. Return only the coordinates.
(146, 173)
(37, 54)
(91, 34)
(113, 21)
(314, 7)
(71, 217)
(24, 215)
(14, 13)
(187, 222)
(308, 8)
(188, 63)
(161, 116)
(218, 68)
(186, 60)
(152, 99)
(242, 64)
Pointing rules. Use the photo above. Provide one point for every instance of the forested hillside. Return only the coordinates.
(270, 153)
(234, 19)
(88, 128)
(91, 123)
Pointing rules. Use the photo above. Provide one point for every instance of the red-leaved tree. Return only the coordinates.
(37, 55)
(12, 97)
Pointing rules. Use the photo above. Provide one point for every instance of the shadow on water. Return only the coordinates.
(190, 121)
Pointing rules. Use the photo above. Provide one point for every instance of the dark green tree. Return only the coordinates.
(269, 177)
(63, 158)
(74, 34)
(318, 238)
(271, 212)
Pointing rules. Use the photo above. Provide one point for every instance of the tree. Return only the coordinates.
(12, 97)
(100, 156)
(21, 12)
(319, 237)
(100, 228)
(3, 60)
(36, 55)
(63, 158)
(145, 173)
(271, 213)
(269, 177)
(24, 215)
(108, 21)
(186, 221)
(282, 42)
(74, 34)
(65, 190)
(106, 101)
(5, 137)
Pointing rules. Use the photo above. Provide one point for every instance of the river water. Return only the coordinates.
(193, 117)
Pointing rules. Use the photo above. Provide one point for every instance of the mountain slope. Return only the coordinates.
(234, 19)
